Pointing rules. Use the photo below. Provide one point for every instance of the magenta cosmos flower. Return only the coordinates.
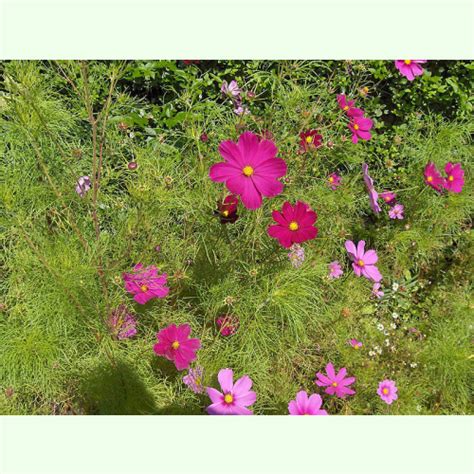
(355, 344)
(410, 68)
(360, 128)
(433, 177)
(348, 106)
(369, 183)
(387, 391)
(337, 384)
(250, 169)
(235, 398)
(145, 283)
(396, 211)
(175, 345)
(227, 324)
(227, 209)
(335, 270)
(304, 405)
(455, 180)
(363, 262)
(388, 197)
(295, 224)
(309, 140)
(334, 181)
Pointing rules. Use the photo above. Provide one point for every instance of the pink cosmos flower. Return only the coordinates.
(360, 126)
(121, 323)
(348, 106)
(387, 391)
(227, 324)
(145, 283)
(304, 405)
(433, 177)
(334, 181)
(83, 185)
(231, 90)
(455, 180)
(337, 384)
(194, 380)
(235, 398)
(376, 291)
(410, 68)
(396, 212)
(335, 270)
(363, 262)
(295, 224)
(310, 140)
(369, 183)
(250, 169)
(241, 109)
(355, 344)
(388, 197)
(175, 345)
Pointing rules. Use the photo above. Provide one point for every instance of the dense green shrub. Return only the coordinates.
(63, 256)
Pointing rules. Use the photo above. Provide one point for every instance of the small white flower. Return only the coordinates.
(393, 325)
(371, 353)
(386, 333)
(395, 286)
(380, 327)
(413, 365)
(387, 342)
(395, 315)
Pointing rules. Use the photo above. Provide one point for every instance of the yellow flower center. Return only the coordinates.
(407, 62)
(334, 384)
(429, 179)
(331, 179)
(387, 198)
(228, 398)
(309, 139)
(385, 391)
(225, 213)
(293, 225)
(144, 288)
(356, 347)
(175, 345)
(451, 178)
(360, 263)
(346, 107)
(248, 171)
(356, 127)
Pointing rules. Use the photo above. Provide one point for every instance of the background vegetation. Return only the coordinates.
(63, 256)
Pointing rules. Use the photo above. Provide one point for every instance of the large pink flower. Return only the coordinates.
(433, 177)
(410, 68)
(387, 391)
(250, 169)
(360, 128)
(174, 344)
(455, 180)
(304, 405)
(145, 283)
(337, 384)
(295, 224)
(348, 106)
(363, 262)
(235, 397)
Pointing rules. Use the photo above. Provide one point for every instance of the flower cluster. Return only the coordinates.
(359, 125)
(453, 182)
(145, 283)
(233, 91)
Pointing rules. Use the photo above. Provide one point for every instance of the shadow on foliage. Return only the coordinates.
(115, 390)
